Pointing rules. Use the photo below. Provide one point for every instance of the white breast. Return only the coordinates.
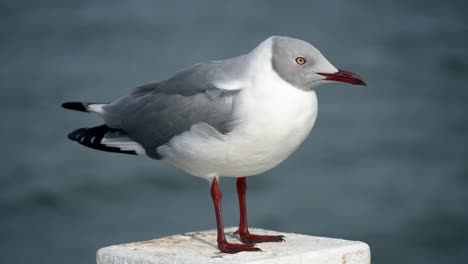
(273, 120)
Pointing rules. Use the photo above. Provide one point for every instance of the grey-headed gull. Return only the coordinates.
(236, 117)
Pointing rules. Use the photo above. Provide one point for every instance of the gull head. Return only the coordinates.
(303, 66)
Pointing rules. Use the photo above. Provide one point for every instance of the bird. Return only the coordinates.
(236, 117)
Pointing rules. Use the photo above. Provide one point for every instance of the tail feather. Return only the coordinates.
(105, 138)
(84, 107)
(77, 106)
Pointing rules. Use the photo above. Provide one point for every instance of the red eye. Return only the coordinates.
(300, 60)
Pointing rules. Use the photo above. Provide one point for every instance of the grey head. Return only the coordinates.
(303, 66)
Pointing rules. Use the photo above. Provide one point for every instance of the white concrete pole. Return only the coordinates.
(200, 247)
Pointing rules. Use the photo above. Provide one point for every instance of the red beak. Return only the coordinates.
(344, 76)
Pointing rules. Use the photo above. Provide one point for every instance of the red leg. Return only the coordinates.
(243, 230)
(223, 245)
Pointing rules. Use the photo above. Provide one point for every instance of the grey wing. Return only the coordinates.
(152, 114)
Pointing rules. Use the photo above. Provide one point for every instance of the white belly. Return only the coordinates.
(271, 132)
(268, 131)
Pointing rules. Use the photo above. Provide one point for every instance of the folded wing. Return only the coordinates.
(152, 114)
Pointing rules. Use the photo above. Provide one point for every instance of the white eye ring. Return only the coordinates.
(300, 60)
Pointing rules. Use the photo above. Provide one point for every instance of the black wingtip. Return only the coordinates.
(91, 138)
(74, 136)
(77, 106)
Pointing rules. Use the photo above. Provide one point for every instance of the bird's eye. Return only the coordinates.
(300, 60)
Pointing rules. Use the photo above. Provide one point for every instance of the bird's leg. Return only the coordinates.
(243, 230)
(223, 245)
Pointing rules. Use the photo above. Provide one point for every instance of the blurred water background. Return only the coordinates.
(385, 164)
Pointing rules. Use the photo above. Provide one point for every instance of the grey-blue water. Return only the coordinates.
(386, 164)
